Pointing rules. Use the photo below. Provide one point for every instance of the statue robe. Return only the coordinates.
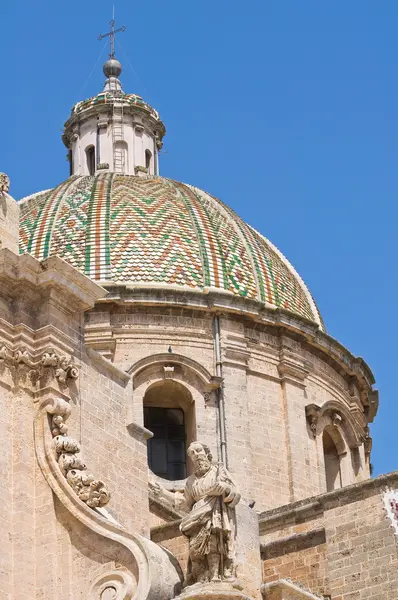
(209, 523)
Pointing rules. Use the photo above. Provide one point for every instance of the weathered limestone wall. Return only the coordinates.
(341, 544)
(46, 551)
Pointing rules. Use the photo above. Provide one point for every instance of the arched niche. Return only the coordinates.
(337, 421)
(338, 415)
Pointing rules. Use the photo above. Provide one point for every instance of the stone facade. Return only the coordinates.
(78, 365)
(143, 318)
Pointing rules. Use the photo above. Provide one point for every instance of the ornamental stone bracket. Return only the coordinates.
(292, 372)
(37, 370)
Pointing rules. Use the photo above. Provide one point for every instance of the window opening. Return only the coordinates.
(167, 448)
(90, 155)
(332, 463)
(148, 158)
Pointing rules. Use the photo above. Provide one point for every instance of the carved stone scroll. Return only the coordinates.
(89, 490)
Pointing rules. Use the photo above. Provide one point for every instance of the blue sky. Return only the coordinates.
(285, 109)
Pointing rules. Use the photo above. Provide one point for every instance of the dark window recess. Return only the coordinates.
(167, 448)
(90, 155)
(148, 158)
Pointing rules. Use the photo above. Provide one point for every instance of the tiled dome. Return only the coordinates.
(122, 229)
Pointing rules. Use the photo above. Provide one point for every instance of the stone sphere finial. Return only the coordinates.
(4, 183)
(112, 68)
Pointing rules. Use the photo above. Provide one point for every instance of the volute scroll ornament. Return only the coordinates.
(89, 490)
(113, 585)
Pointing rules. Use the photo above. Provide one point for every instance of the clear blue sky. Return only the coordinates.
(285, 109)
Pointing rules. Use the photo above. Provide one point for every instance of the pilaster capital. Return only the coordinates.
(292, 371)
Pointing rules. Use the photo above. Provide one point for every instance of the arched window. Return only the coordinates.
(148, 160)
(169, 415)
(332, 462)
(90, 157)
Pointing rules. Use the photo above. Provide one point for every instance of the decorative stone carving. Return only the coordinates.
(312, 414)
(336, 419)
(210, 496)
(140, 169)
(168, 371)
(152, 575)
(206, 397)
(48, 364)
(88, 489)
(4, 183)
(63, 367)
(113, 585)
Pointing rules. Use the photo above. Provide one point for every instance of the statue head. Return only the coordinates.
(201, 457)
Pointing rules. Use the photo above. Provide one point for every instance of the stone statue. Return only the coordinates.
(4, 184)
(210, 496)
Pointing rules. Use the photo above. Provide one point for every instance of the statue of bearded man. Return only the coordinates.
(210, 496)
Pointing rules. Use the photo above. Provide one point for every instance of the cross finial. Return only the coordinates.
(111, 34)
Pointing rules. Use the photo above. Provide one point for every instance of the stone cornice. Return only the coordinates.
(62, 283)
(105, 110)
(300, 541)
(286, 322)
(108, 365)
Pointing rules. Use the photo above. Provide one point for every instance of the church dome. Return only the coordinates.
(155, 232)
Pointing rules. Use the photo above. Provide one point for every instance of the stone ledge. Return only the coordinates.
(300, 541)
(76, 292)
(212, 591)
(165, 511)
(309, 508)
(284, 589)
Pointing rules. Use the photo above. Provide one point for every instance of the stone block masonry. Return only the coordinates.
(342, 545)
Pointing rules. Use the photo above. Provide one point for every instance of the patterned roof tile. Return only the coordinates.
(151, 230)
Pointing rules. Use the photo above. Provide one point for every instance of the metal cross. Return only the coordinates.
(111, 35)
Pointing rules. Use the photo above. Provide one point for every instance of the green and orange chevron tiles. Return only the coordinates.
(148, 230)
